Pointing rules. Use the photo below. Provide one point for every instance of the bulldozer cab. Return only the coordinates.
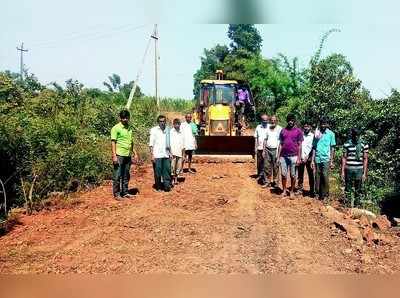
(218, 109)
(217, 92)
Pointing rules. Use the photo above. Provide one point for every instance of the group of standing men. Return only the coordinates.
(169, 149)
(293, 150)
(289, 150)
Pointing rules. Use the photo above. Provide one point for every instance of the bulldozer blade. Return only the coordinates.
(225, 145)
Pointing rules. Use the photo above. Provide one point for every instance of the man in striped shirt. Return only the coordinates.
(354, 166)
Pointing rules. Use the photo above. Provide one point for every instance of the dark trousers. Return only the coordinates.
(322, 179)
(310, 173)
(121, 175)
(162, 173)
(353, 179)
(260, 165)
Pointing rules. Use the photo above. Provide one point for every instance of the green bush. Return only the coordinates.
(58, 138)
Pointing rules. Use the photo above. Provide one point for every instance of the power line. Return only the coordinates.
(21, 61)
(139, 73)
(154, 36)
(88, 36)
(75, 35)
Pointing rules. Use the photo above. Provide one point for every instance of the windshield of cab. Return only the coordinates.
(224, 94)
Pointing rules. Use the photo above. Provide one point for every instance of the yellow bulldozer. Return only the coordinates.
(223, 110)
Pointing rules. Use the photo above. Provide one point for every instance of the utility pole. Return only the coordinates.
(131, 94)
(21, 65)
(155, 37)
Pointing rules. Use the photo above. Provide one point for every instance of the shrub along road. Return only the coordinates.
(218, 221)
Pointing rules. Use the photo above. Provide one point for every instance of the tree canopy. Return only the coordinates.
(245, 38)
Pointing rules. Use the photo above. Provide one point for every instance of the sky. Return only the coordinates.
(89, 40)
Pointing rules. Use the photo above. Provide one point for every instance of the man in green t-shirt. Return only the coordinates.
(122, 149)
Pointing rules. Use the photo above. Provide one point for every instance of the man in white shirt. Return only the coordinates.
(271, 144)
(177, 150)
(306, 160)
(189, 130)
(160, 154)
(259, 136)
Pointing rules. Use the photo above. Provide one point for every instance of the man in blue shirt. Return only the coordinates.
(323, 157)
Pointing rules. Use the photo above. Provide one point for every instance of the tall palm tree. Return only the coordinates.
(114, 83)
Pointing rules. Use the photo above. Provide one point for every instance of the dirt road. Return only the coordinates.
(218, 221)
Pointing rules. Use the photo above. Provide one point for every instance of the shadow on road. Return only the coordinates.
(133, 191)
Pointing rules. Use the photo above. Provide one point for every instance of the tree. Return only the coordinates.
(210, 61)
(121, 91)
(235, 67)
(10, 92)
(297, 77)
(245, 39)
(31, 83)
(114, 84)
(126, 90)
(333, 89)
(271, 83)
(315, 59)
(245, 44)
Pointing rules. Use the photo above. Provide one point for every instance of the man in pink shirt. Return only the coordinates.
(289, 152)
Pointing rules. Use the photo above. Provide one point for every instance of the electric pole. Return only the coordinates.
(155, 37)
(21, 65)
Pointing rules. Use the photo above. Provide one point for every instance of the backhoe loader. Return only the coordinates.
(223, 110)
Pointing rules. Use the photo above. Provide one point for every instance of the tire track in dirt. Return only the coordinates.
(276, 235)
(244, 244)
